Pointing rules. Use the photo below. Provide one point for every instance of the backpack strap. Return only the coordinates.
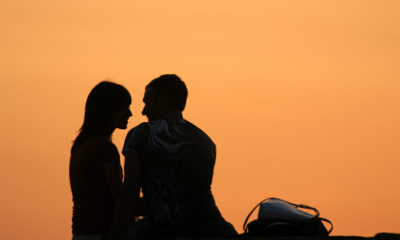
(251, 212)
(330, 223)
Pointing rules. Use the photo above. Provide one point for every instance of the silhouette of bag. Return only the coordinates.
(278, 217)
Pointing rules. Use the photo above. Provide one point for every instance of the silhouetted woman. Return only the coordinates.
(95, 169)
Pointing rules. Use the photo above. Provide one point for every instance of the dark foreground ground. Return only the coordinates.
(379, 236)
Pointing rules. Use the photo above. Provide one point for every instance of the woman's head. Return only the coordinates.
(107, 108)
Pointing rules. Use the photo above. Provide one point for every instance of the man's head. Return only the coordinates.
(164, 96)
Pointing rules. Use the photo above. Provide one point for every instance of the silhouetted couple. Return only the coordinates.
(167, 158)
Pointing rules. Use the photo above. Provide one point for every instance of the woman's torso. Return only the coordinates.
(94, 205)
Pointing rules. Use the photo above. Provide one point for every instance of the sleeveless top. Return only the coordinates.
(94, 206)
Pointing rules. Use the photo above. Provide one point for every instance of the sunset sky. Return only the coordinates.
(302, 99)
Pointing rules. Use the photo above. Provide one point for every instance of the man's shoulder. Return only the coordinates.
(137, 132)
(139, 128)
(134, 137)
(199, 134)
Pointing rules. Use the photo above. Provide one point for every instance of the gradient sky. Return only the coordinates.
(301, 98)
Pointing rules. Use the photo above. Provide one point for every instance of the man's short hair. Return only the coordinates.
(171, 86)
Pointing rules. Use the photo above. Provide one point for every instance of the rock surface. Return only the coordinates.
(379, 236)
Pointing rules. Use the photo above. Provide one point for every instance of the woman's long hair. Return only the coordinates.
(105, 99)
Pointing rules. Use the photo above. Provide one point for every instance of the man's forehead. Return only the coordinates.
(147, 94)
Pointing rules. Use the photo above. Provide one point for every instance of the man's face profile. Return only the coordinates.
(151, 107)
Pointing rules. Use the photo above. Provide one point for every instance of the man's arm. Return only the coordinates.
(129, 202)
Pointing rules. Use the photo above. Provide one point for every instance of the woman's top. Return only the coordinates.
(177, 163)
(94, 206)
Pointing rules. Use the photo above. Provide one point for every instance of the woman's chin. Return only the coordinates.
(123, 126)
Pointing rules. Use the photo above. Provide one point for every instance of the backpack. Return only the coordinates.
(277, 217)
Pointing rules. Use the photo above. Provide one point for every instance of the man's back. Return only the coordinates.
(177, 166)
(177, 161)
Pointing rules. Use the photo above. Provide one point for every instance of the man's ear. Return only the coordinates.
(164, 101)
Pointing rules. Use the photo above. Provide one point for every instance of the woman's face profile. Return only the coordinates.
(121, 117)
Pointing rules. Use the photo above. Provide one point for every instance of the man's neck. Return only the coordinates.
(175, 114)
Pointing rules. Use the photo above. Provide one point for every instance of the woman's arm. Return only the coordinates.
(113, 174)
(129, 201)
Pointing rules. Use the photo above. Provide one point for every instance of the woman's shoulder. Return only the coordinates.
(95, 149)
(98, 143)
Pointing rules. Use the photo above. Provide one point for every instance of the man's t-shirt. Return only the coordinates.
(177, 164)
(94, 206)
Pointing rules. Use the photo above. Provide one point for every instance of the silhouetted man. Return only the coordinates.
(172, 161)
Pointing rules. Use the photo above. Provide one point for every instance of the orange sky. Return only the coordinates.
(301, 98)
